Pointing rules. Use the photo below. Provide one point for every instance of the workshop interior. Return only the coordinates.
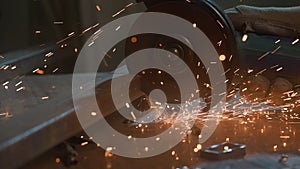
(160, 84)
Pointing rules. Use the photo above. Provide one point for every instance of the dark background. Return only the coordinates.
(19, 20)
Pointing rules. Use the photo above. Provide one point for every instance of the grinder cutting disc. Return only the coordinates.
(209, 19)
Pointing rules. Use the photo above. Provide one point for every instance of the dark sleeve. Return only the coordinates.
(279, 21)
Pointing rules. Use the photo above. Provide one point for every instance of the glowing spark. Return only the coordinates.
(122, 10)
(94, 26)
(45, 97)
(90, 44)
(55, 70)
(117, 28)
(109, 149)
(222, 57)
(84, 143)
(35, 70)
(284, 137)
(250, 70)
(199, 146)
(277, 41)
(128, 5)
(71, 34)
(230, 58)
(279, 69)
(13, 68)
(116, 14)
(21, 88)
(6, 67)
(133, 116)
(295, 41)
(58, 22)
(98, 32)
(274, 51)
(274, 66)
(49, 54)
(5, 83)
(236, 71)
(93, 113)
(98, 8)
(284, 144)
(226, 148)
(17, 84)
(40, 72)
(264, 55)
(244, 38)
(194, 25)
(86, 30)
(57, 160)
(220, 23)
(262, 71)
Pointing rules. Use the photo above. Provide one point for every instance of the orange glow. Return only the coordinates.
(57, 160)
(98, 7)
(134, 39)
(40, 72)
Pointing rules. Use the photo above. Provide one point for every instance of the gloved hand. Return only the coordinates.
(266, 20)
